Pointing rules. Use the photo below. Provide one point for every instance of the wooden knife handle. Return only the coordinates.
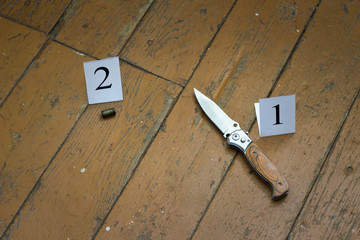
(267, 171)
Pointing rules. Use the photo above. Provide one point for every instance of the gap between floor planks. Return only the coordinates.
(294, 49)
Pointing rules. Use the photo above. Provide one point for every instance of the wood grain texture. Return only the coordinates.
(182, 169)
(87, 175)
(39, 14)
(267, 171)
(173, 36)
(332, 211)
(183, 181)
(18, 45)
(101, 28)
(324, 80)
(35, 120)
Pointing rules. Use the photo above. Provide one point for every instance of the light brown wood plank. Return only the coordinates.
(182, 169)
(91, 169)
(39, 14)
(173, 36)
(324, 75)
(101, 28)
(35, 120)
(332, 211)
(18, 46)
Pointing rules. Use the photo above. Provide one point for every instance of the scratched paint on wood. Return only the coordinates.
(98, 158)
(35, 120)
(19, 45)
(101, 28)
(40, 14)
(173, 36)
(187, 160)
(325, 81)
(332, 210)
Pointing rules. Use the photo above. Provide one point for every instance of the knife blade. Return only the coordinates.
(238, 139)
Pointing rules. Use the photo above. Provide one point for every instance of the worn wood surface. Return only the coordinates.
(86, 177)
(332, 209)
(19, 45)
(183, 168)
(101, 28)
(173, 36)
(39, 14)
(35, 120)
(160, 169)
(325, 87)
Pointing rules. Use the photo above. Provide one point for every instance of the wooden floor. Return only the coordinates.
(160, 169)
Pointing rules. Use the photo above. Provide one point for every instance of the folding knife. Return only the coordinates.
(238, 139)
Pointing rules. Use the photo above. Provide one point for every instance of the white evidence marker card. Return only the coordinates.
(276, 115)
(103, 80)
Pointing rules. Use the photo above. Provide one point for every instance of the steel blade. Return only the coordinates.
(216, 114)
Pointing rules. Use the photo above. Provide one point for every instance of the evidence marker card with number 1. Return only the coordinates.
(276, 115)
(103, 80)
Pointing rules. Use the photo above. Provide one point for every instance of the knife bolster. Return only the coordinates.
(239, 140)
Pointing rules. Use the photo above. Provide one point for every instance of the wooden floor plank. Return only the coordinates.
(173, 36)
(332, 211)
(39, 14)
(182, 169)
(101, 28)
(18, 45)
(324, 75)
(171, 194)
(91, 169)
(35, 119)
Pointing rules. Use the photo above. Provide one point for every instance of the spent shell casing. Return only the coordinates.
(108, 112)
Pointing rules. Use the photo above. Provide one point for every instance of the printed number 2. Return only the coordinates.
(106, 76)
(277, 109)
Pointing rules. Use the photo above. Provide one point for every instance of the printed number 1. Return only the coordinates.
(106, 76)
(277, 109)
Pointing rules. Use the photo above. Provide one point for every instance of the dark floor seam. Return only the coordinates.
(328, 154)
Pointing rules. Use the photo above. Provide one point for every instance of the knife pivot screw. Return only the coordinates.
(236, 137)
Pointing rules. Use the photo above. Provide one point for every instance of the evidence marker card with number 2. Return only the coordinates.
(103, 80)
